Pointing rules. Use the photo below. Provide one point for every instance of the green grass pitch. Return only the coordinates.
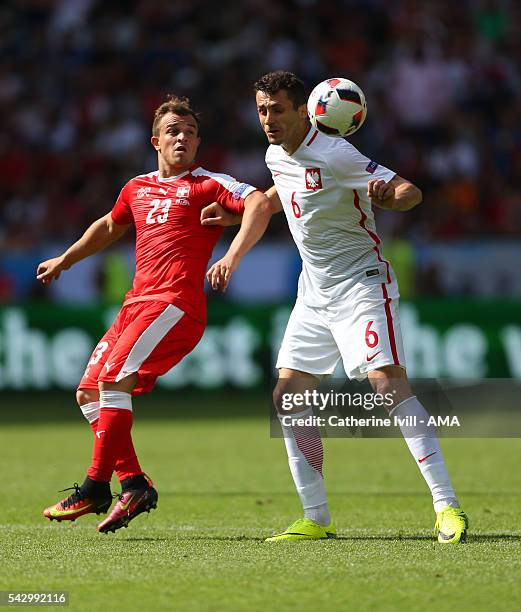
(224, 485)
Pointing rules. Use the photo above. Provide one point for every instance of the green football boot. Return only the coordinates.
(305, 529)
(452, 525)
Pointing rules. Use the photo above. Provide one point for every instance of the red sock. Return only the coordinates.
(94, 426)
(110, 442)
(127, 463)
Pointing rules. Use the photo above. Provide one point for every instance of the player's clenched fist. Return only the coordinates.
(381, 193)
(220, 273)
(215, 214)
(50, 270)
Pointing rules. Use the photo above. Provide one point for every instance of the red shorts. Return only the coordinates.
(148, 338)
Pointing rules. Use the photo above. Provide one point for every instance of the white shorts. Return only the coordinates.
(363, 330)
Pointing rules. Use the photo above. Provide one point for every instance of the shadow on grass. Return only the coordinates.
(472, 538)
(240, 538)
(139, 539)
(189, 538)
(476, 538)
(338, 539)
(493, 537)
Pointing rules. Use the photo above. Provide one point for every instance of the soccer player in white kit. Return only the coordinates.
(347, 303)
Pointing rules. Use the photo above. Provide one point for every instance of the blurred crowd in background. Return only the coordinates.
(80, 80)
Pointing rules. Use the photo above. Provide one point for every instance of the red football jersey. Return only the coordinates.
(172, 247)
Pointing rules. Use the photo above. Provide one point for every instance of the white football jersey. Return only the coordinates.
(323, 189)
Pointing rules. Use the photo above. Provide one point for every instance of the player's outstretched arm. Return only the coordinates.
(215, 214)
(99, 235)
(397, 194)
(255, 219)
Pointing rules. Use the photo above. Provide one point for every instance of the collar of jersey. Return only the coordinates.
(177, 176)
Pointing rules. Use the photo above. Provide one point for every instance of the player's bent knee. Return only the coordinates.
(282, 395)
(287, 389)
(391, 380)
(278, 397)
(86, 396)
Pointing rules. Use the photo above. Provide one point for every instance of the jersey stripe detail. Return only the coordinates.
(227, 181)
(387, 299)
(374, 237)
(363, 219)
(390, 327)
(149, 340)
(379, 257)
(310, 141)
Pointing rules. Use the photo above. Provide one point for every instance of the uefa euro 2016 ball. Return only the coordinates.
(337, 107)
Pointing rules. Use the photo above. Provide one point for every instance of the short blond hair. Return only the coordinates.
(173, 104)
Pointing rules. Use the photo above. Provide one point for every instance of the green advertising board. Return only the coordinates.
(44, 346)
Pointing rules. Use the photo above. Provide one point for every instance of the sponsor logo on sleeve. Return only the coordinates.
(371, 167)
(239, 190)
(313, 179)
(143, 192)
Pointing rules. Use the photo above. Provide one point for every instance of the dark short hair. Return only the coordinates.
(173, 104)
(273, 82)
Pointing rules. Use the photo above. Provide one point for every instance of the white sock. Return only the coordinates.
(307, 479)
(319, 514)
(91, 411)
(115, 399)
(425, 448)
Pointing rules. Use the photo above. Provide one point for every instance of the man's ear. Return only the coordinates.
(155, 143)
(303, 111)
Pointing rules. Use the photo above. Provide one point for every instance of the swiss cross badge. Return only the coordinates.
(313, 179)
(183, 192)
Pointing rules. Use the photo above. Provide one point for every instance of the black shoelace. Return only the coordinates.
(75, 497)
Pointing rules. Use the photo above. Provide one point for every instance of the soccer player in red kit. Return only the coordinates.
(163, 316)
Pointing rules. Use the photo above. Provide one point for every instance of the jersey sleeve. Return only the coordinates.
(121, 211)
(231, 195)
(353, 170)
